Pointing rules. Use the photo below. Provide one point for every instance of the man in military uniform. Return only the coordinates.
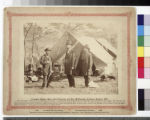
(46, 62)
(70, 64)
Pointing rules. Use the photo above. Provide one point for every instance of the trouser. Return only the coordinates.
(46, 81)
(71, 80)
(86, 77)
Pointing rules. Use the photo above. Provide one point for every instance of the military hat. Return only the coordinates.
(47, 49)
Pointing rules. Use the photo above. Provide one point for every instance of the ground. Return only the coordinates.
(61, 87)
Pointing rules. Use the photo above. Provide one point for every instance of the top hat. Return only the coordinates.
(47, 49)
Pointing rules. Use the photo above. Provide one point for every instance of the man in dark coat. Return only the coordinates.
(69, 65)
(85, 64)
(46, 62)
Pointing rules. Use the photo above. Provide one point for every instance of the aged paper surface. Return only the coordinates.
(70, 60)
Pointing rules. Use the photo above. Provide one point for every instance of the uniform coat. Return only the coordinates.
(69, 62)
(46, 62)
(85, 62)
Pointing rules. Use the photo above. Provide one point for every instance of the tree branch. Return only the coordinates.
(27, 31)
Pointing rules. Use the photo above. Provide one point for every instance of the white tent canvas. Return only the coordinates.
(101, 57)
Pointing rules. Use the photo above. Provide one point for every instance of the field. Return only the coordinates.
(62, 87)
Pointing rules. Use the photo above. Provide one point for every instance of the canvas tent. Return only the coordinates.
(59, 48)
(101, 57)
(107, 46)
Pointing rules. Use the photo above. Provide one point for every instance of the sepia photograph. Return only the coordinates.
(66, 58)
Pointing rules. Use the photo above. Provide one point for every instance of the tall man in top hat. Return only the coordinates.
(85, 64)
(46, 62)
(70, 64)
